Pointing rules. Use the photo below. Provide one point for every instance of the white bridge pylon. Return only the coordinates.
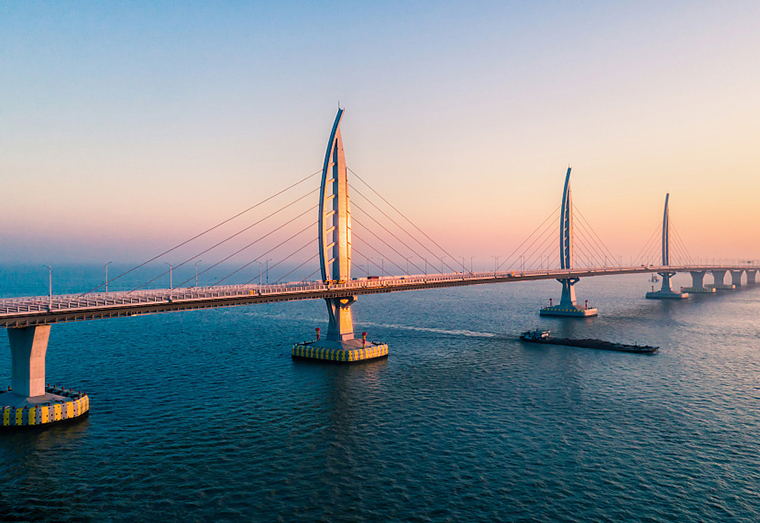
(334, 236)
(666, 292)
(335, 233)
(567, 305)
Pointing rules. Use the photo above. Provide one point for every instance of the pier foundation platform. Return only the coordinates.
(568, 304)
(348, 351)
(666, 295)
(569, 310)
(28, 401)
(721, 286)
(698, 290)
(666, 292)
(56, 405)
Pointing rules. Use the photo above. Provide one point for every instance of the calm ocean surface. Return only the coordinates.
(203, 415)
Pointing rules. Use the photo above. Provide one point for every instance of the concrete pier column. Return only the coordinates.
(28, 349)
(736, 278)
(666, 291)
(665, 288)
(698, 284)
(751, 277)
(719, 276)
(341, 323)
(568, 292)
(697, 279)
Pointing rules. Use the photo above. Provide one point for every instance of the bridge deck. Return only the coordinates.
(39, 310)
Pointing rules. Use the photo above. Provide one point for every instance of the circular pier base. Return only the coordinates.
(56, 405)
(570, 311)
(666, 295)
(698, 290)
(350, 351)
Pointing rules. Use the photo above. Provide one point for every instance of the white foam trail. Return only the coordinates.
(449, 332)
(454, 332)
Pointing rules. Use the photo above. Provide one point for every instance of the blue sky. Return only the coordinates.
(127, 125)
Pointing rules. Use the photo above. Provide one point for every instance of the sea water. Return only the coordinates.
(203, 415)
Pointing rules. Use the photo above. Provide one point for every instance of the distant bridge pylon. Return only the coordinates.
(666, 292)
(567, 305)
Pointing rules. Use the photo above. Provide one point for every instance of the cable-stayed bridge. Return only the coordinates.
(44, 310)
(385, 238)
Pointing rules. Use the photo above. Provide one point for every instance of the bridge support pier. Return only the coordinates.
(736, 278)
(698, 284)
(341, 323)
(340, 345)
(751, 277)
(666, 292)
(719, 276)
(335, 264)
(568, 304)
(29, 401)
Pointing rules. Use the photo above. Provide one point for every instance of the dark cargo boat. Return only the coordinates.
(539, 336)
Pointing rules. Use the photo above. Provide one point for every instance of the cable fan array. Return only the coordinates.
(539, 250)
(386, 241)
(278, 243)
(651, 252)
(259, 250)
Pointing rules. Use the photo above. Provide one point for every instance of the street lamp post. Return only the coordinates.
(171, 278)
(50, 286)
(105, 267)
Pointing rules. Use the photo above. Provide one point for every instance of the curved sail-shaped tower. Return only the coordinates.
(666, 292)
(567, 305)
(334, 235)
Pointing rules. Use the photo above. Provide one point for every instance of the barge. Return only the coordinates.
(539, 336)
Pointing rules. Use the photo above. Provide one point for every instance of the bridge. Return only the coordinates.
(28, 320)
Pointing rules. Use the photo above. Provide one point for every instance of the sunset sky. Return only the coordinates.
(129, 126)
